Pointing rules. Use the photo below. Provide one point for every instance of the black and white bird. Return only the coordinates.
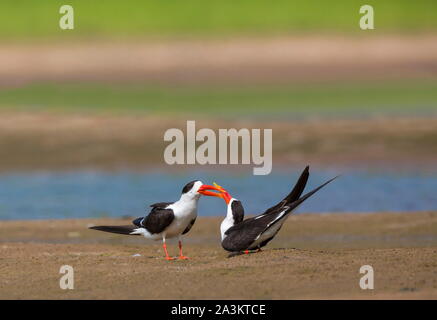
(240, 235)
(166, 219)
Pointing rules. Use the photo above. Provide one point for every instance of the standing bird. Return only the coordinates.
(240, 235)
(166, 219)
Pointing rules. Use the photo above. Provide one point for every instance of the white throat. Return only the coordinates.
(186, 205)
(228, 221)
(189, 197)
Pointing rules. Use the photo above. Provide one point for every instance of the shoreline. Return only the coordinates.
(124, 218)
(297, 224)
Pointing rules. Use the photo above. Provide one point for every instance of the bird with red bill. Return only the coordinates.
(166, 219)
(239, 235)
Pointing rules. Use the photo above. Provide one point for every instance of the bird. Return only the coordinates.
(165, 220)
(239, 235)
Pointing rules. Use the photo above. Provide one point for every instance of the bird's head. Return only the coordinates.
(191, 189)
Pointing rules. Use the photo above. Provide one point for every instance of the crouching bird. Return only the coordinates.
(166, 219)
(240, 235)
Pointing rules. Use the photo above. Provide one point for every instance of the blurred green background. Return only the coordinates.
(36, 20)
(27, 24)
(338, 99)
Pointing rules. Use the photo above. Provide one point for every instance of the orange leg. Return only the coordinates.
(167, 257)
(181, 256)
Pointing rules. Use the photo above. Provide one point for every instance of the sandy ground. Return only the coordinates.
(314, 256)
(69, 141)
(226, 61)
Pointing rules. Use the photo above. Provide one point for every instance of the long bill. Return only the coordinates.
(221, 192)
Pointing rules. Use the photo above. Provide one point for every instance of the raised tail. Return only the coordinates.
(117, 229)
(294, 194)
(296, 203)
(299, 187)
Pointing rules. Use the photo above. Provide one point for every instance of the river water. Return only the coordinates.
(81, 194)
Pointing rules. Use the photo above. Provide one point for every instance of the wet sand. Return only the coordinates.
(314, 256)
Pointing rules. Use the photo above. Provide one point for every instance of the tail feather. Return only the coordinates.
(296, 203)
(294, 194)
(299, 187)
(116, 229)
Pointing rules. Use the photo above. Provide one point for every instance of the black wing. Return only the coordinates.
(240, 236)
(140, 222)
(298, 202)
(188, 228)
(161, 205)
(158, 219)
(294, 194)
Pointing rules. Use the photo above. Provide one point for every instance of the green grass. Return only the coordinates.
(348, 99)
(31, 19)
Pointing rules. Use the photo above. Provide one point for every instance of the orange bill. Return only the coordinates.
(221, 192)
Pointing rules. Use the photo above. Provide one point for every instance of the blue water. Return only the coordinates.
(48, 195)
